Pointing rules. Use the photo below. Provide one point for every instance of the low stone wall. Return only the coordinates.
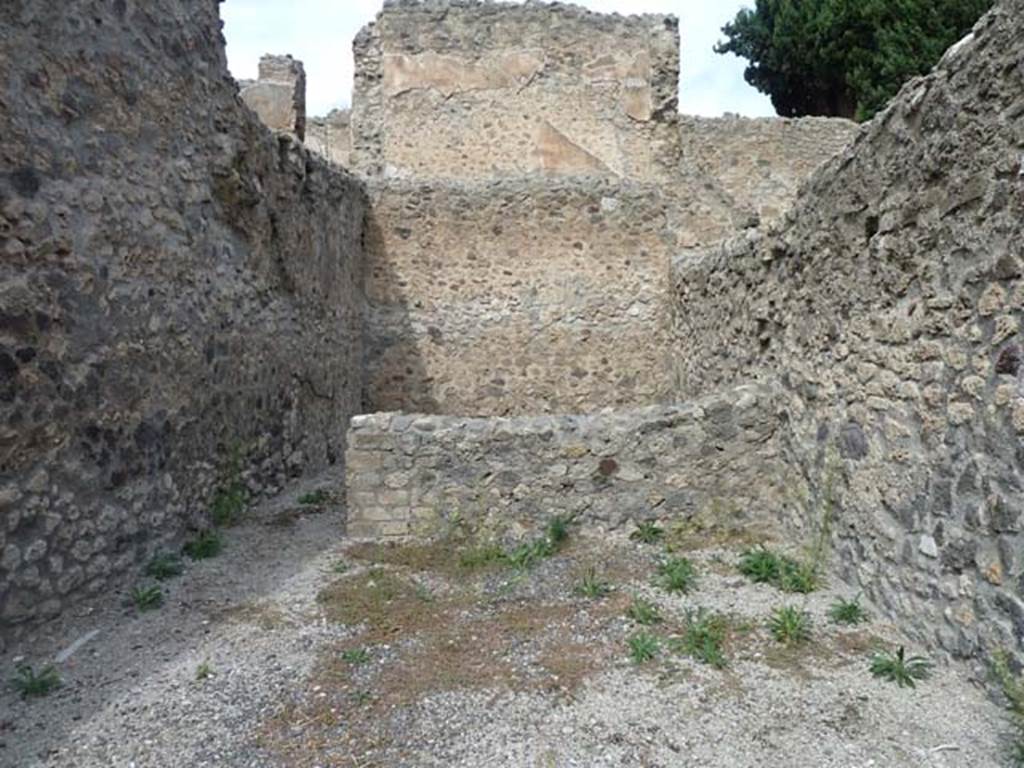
(420, 475)
(887, 307)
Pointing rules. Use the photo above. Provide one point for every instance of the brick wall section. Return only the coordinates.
(477, 90)
(760, 163)
(516, 297)
(419, 475)
(886, 307)
(176, 284)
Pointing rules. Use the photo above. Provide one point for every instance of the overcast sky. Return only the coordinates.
(320, 32)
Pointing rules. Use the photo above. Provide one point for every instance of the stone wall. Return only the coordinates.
(178, 287)
(717, 458)
(473, 90)
(516, 297)
(278, 96)
(886, 310)
(331, 136)
(760, 163)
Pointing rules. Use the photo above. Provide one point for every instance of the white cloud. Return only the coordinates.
(320, 32)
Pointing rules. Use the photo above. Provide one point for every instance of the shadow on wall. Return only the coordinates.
(396, 377)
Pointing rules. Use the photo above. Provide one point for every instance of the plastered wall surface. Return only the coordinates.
(177, 287)
(886, 309)
(716, 458)
(474, 90)
(516, 297)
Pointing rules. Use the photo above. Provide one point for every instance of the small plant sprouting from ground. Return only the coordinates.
(230, 498)
(204, 546)
(647, 532)
(558, 531)
(790, 626)
(848, 611)
(146, 598)
(165, 566)
(643, 647)
(899, 668)
(31, 684)
(529, 554)
(481, 557)
(644, 612)
(762, 566)
(356, 656)
(204, 671)
(676, 574)
(704, 638)
(592, 585)
(315, 498)
(340, 567)
(1012, 686)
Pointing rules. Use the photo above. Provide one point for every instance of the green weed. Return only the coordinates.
(356, 656)
(647, 532)
(847, 611)
(31, 684)
(703, 638)
(643, 647)
(315, 498)
(899, 668)
(676, 574)
(644, 612)
(790, 626)
(591, 585)
(204, 671)
(147, 598)
(204, 546)
(165, 566)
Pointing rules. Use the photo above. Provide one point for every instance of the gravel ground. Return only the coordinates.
(445, 666)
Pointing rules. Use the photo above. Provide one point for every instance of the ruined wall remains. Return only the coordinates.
(715, 458)
(886, 309)
(474, 90)
(331, 136)
(177, 287)
(760, 163)
(516, 297)
(278, 96)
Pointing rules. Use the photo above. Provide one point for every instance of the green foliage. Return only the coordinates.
(790, 626)
(643, 647)
(647, 532)
(847, 611)
(1012, 686)
(147, 598)
(676, 574)
(558, 531)
(340, 567)
(164, 566)
(527, 555)
(480, 557)
(644, 612)
(356, 656)
(762, 566)
(899, 668)
(315, 498)
(703, 638)
(843, 57)
(31, 684)
(592, 585)
(204, 671)
(204, 546)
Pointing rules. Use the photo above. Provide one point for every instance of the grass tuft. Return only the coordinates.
(899, 668)
(356, 656)
(644, 612)
(676, 574)
(848, 611)
(643, 647)
(647, 532)
(204, 671)
(315, 498)
(703, 638)
(165, 566)
(790, 626)
(228, 504)
(592, 585)
(204, 546)
(146, 598)
(31, 684)
(762, 566)
(1012, 686)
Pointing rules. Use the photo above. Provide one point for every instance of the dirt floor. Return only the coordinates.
(296, 647)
